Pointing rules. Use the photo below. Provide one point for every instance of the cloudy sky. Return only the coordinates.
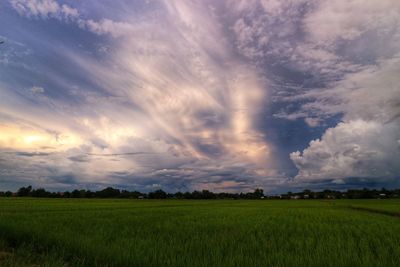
(224, 95)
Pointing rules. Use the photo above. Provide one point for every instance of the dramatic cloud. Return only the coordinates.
(366, 142)
(352, 149)
(185, 95)
(177, 102)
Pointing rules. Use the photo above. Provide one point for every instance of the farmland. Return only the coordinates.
(94, 232)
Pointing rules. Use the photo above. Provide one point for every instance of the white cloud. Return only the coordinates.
(44, 9)
(69, 12)
(353, 46)
(251, 38)
(259, 24)
(107, 26)
(366, 143)
(52, 9)
(37, 90)
(352, 149)
(312, 122)
(348, 20)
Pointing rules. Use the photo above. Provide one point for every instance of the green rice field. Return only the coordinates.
(93, 232)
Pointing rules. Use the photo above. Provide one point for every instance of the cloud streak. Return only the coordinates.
(226, 95)
(183, 99)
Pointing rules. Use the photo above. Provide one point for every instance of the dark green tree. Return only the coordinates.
(158, 194)
(24, 191)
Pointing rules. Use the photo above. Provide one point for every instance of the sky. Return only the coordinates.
(183, 95)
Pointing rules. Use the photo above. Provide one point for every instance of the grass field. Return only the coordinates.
(76, 232)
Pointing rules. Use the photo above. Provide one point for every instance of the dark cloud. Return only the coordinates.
(32, 154)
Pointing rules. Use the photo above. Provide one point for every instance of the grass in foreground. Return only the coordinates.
(76, 232)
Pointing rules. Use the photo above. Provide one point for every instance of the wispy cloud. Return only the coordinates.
(44, 9)
(199, 94)
(47, 9)
(181, 99)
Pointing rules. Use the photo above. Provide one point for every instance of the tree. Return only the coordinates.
(258, 193)
(207, 194)
(179, 195)
(158, 194)
(75, 194)
(24, 191)
(40, 193)
(109, 192)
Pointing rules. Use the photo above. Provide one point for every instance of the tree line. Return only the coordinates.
(111, 192)
(258, 193)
